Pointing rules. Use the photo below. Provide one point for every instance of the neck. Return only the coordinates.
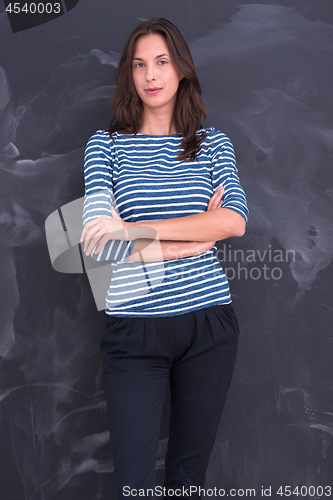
(157, 122)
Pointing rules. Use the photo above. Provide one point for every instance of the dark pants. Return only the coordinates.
(197, 350)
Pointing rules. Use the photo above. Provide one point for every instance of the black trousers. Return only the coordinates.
(197, 350)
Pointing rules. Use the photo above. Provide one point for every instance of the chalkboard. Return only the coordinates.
(266, 72)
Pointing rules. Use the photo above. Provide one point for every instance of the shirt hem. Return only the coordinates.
(159, 314)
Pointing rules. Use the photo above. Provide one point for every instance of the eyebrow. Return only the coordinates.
(139, 59)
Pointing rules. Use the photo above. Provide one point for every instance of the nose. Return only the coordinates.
(150, 73)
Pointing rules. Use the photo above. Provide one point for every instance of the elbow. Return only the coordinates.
(237, 224)
(240, 228)
(233, 224)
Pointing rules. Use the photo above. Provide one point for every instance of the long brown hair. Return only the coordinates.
(127, 106)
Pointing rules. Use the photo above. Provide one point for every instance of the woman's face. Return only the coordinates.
(155, 77)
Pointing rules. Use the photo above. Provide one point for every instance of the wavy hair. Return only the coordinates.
(127, 107)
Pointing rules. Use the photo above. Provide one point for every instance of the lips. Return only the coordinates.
(153, 90)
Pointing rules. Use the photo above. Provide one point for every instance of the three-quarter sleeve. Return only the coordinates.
(99, 196)
(224, 172)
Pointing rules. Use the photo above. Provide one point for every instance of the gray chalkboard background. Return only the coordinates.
(266, 70)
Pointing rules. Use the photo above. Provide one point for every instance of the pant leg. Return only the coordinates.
(136, 378)
(199, 382)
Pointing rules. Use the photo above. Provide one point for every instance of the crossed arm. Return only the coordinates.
(176, 238)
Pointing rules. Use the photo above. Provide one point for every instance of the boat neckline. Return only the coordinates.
(153, 135)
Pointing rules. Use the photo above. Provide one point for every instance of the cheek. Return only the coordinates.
(175, 80)
(136, 84)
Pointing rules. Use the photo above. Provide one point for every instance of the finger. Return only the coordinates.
(101, 244)
(102, 237)
(92, 245)
(89, 246)
(98, 248)
(222, 194)
(218, 200)
(218, 193)
(102, 240)
(215, 200)
(93, 236)
(86, 228)
(84, 232)
(96, 232)
(212, 199)
(87, 240)
(114, 212)
(98, 220)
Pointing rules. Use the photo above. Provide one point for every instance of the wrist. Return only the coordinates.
(130, 231)
(139, 230)
(126, 229)
(177, 249)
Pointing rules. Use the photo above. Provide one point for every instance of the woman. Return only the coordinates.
(169, 312)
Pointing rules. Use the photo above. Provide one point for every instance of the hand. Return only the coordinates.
(216, 199)
(214, 202)
(103, 229)
(199, 247)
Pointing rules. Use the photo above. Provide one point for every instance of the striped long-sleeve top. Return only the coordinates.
(141, 177)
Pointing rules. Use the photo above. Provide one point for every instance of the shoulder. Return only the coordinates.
(101, 136)
(213, 135)
(100, 140)
(215, 140)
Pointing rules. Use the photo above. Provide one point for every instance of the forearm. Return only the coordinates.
(212, 225)
(146, 250)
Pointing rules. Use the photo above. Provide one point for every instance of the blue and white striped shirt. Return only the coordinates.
(140, 176)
